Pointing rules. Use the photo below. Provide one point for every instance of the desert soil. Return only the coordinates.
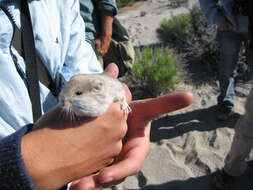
(187, 145)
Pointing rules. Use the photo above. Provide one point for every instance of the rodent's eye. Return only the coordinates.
(97, 85)
(78, 92)
(97, 88)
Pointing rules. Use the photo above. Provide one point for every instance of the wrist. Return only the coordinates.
(106, 37)
(13, 173)
(41, 160)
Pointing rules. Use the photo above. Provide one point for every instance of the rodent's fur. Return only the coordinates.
(92, 94)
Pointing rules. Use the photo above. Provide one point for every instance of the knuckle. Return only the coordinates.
(117, 148)
(136, 169)
(109, 162)
(123, 132)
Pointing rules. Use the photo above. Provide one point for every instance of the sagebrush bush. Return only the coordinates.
(192, 34)
(178, 28)
(204, 31)
(188, 28)
(123, 3)
(155, 70)
(204, 46)
(176, 3)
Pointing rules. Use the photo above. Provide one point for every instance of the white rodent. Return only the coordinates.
(92, 94)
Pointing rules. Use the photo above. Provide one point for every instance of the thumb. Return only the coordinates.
(150, 108)
(112, 70)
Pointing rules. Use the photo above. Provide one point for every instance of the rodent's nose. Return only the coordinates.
(62, 100)
(65, 102)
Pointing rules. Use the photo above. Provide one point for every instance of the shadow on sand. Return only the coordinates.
(199, 120)
(244, 182)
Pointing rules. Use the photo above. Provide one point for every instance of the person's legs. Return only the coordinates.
(235, 162)
(230, 43)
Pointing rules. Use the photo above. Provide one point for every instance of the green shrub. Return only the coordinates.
(178, 28)
(204, 47)
(155, 70)
(123, 3)
(194, 36)
(204, 30)
(176, 3)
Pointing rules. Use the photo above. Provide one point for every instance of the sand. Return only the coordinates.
(187, 145)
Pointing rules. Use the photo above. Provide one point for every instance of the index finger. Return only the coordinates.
(153, 107)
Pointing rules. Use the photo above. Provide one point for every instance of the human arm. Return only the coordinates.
(102, 43)
(107, 10)
(13, 175)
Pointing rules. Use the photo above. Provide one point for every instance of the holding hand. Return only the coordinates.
(136, 146)
(59, 150)
(102, 44)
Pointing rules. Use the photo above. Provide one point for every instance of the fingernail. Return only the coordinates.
(107, 180)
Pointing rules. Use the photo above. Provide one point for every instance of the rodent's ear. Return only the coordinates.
(97, 85)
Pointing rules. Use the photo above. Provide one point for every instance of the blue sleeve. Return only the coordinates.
(80, 56)
(13, 174)
(212, 11)
(108, 5)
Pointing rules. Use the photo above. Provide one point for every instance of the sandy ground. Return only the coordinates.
(187, 145)
(142, 19)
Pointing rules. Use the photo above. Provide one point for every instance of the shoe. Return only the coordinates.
(221, 180)
(224, 115)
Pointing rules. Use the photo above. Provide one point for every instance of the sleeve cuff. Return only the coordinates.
(13, 173)
(108, 7)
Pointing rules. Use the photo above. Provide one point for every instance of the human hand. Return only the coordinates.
(102, 44)
(136, 147)
(59, 150)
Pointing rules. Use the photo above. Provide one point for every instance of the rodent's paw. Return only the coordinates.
(125, 107)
